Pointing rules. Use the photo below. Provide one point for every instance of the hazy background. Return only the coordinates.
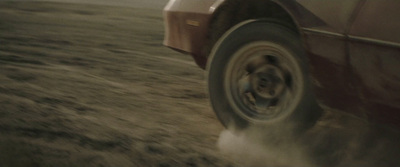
(152, 4)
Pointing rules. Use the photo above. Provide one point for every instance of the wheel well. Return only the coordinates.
(232, 12)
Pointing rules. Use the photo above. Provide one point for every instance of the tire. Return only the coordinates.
(223, 19)
(257, 75)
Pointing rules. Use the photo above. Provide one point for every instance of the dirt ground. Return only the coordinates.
(91, 85)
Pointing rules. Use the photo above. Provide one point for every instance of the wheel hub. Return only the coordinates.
(268, 82)
(263, 82)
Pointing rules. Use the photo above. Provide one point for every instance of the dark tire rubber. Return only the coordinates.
(304, 114)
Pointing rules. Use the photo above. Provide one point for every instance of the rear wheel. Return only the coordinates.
(257, 75)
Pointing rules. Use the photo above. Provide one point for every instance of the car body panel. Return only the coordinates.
(317, 14)
(374, 51)
(186, 26)
(324, 37)
(353, 68)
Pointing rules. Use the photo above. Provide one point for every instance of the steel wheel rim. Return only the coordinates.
(263, 82)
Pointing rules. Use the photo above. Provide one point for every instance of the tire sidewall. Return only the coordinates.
(237, 37)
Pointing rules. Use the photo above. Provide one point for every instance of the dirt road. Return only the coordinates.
(91, 85)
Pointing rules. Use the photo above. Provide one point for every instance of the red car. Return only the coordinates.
(272, 61)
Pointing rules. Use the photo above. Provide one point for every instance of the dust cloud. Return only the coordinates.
(337, 140)
(253, 149)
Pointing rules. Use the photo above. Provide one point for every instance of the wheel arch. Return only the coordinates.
(234, 12)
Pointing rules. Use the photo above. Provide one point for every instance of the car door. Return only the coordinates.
(324, 25)
(374, 50)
